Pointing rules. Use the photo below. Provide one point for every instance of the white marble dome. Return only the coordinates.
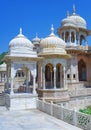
(21, 45)
(20, 41)
(52, 43)
(74, 20)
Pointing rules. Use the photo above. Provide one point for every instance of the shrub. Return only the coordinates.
(87, 110)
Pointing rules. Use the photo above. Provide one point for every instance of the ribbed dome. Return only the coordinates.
(52, 42)
(74, 20)
(21, 46)
(20, 41)
(36, 40)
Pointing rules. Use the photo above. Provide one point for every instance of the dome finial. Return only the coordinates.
(67, 13)
(74, 9)
(20, 30)
(52, 30)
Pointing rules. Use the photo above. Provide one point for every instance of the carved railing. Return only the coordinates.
(71, 116)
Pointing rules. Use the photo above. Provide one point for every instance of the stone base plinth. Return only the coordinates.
(20, 101)
(55, 95)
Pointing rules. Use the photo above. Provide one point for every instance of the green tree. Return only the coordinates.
(2, 56)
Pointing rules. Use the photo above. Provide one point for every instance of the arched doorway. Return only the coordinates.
(49, 76)
(82, 70)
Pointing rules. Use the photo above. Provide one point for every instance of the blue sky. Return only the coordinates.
(37, 16)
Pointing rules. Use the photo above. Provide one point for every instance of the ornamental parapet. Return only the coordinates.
(83, 48)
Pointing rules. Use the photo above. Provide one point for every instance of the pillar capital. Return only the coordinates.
(64, 68)
(54, 68)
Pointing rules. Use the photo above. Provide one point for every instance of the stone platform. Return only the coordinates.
(20, 101)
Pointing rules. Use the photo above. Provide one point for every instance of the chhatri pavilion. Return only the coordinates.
(48, 68)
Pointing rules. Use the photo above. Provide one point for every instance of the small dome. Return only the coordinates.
(20, 41)
(21, 46)
(74, 20)
(36, 40)
(52, 42)
(3, 67)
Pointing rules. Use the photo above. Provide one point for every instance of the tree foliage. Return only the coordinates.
(2, 56)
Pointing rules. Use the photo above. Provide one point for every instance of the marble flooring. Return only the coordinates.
(31, 120)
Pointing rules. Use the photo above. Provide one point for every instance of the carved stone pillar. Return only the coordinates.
(7, 78)
(70, 37)
(75, 37)
(51, 78)
(64, 81)
(12, 78)
(77, 74)
(34, 79)
(12, 83)
(61, 84)
(41, 76)
(43, 72)
(34, 83)
(54, 77)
